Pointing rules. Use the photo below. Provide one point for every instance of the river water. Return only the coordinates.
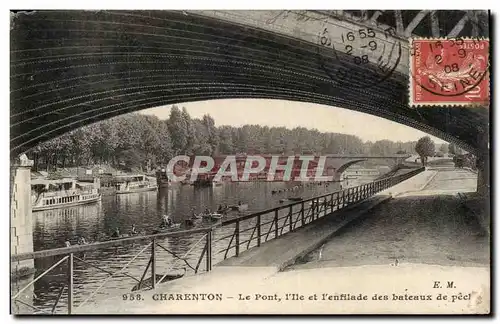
(95, 221)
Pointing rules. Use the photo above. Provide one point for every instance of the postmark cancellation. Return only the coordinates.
(449, 72)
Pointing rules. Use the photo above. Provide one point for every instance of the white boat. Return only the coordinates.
(171, 227)
(212, 216)
(134, 183)
(65, 194)
(240, 207)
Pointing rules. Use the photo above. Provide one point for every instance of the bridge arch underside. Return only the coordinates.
(73, 68)
(346, 165)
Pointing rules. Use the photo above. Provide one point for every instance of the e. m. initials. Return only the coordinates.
(449, 284)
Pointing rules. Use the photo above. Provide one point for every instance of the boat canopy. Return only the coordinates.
(130, 177)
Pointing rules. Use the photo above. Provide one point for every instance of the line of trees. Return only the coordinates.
(144, 141)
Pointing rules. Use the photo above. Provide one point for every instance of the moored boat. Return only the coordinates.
(212, 216)
(171, 227)
(240, 207)
(126, 235)
(216, 184)
(164, 229)
(224, 210)
(51, 194)
(134, 183)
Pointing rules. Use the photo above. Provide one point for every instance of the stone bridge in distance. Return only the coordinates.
(326, 165)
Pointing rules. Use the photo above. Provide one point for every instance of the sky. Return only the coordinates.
(265, 112)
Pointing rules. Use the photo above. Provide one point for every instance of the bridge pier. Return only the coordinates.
(483, 179)
(483, 165)
(21, 228)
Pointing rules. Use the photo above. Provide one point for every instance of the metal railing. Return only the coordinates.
(153, 246)
(249, 231)
(253, 230)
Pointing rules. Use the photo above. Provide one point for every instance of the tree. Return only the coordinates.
(165, 152)
(455, 150)
(226, 145)
(425, 148)
(383, 148)
(178, 129)
(212, 133)
(444, 148)
(132, 159)
(451, 148)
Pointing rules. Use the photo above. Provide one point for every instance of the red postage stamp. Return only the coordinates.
(447, 72)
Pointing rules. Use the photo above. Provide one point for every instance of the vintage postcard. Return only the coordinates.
(250, 162)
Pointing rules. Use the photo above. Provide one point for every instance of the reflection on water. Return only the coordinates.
(96, 222)
(26, 295)
(53, 227)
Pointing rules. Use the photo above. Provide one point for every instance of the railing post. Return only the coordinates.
(70, 283)
(209, 250)
(153, 266)
(290, 228)
(314, 209)
(258, 230)
(237, 233)
(276, 223)
(302, 212)
(331, 203)
(317, 208)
